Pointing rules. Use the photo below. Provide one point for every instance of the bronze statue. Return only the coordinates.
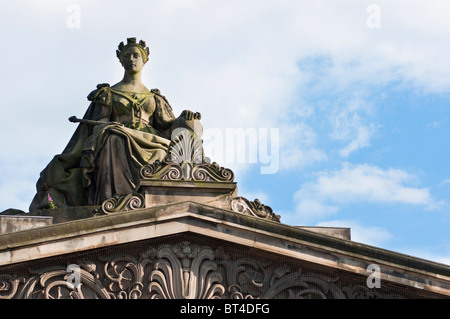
(125, 127)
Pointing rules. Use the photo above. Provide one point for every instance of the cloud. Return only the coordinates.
(357, 184)
(445, 181)
(17, 193)
(237, 63)
(381, 237)
(349, 124)
(298, 146)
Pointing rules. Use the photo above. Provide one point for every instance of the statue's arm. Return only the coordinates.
(166, 121)
(100, 108)
(163, 113)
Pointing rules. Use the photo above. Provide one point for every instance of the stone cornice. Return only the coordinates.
(226, 225)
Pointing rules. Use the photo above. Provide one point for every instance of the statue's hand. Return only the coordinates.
(73, 119)
(190, 115)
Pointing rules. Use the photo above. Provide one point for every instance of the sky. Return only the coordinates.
(333, 113)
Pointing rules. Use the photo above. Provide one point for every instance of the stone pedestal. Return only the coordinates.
(10, 224)
(218, 194)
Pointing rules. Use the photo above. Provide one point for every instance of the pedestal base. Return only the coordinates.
(217, 194)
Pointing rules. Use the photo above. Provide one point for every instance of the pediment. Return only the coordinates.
(273, 248)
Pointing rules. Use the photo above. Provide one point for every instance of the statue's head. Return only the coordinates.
(133, 55)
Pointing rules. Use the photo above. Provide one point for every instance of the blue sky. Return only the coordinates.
(356, 94)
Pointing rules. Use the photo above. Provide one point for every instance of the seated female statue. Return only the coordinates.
(125, 127)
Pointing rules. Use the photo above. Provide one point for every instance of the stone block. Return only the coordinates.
(217, 194)
(338, 232)
(10, 224)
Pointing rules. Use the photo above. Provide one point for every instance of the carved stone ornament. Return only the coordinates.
(255, 208)
(185, 160)
(187, 171)
(186, 147)
(120, 204)
(177, 271)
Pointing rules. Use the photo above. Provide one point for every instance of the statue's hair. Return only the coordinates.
(130, 43)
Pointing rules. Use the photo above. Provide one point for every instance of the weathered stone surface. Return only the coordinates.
(60, 215)
(253, 208)
(206, 252)
(339, 232)
(11, 223)
(185, 267)
(163, 192)
(125, 127)
(183, 232)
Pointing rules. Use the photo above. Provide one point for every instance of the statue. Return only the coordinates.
(125, 127)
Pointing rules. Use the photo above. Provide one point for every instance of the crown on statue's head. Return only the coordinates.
(130, 43)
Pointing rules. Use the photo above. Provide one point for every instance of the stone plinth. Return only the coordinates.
(218, 194)
(10, 224)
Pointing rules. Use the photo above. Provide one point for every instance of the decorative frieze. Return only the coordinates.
(183, 270)
(186, 171)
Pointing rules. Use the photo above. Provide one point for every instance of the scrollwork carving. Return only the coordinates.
(124, 275)
(9, 285)
(186, 271)
(212, 173)
(179, 271)
(185, 160)
(120, 204)
(363, 292)
(202, 172)
(253, 208)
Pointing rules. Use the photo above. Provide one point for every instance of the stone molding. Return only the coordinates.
(156, 192)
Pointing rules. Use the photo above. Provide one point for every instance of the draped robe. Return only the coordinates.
(104, 159)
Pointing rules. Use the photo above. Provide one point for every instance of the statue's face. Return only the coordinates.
(132, 60)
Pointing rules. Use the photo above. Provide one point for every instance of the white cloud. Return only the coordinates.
(235, 62)
(298, 146)
(350, 126)
(381, 237)
(370, 183)
(359, 183)
(312, 208)
(17, 193)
